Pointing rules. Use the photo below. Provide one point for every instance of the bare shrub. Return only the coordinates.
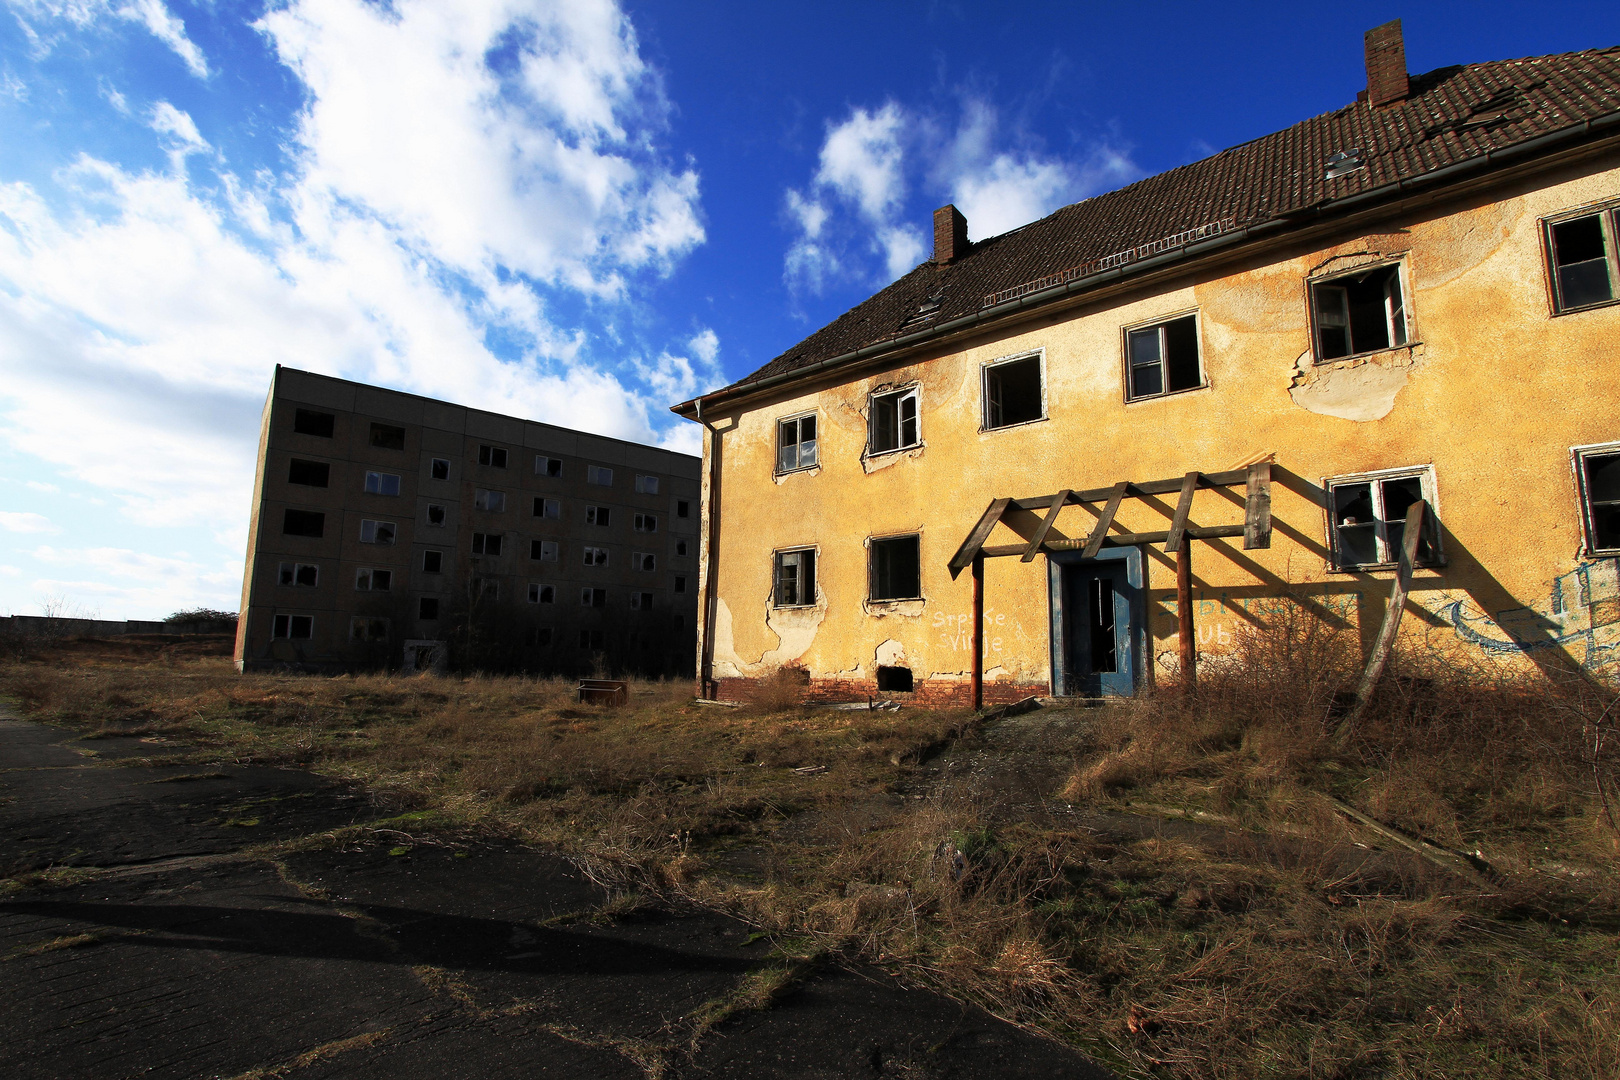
(782, 690)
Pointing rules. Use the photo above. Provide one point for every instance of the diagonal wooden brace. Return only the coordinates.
(1046, 524)
(1106, 521)
(1178, 524)
(975, 540)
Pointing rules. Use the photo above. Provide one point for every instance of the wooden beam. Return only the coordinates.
(1150, 487)
(1039, 538)
(1188, 638)
(1257, 507)
(975, 540)
(1410, 537)
(1178, 524)
(1194, 532)
(1100, 533)
(978, 632)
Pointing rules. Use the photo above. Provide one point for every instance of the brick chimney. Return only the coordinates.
(1386, 64)
(950, 235)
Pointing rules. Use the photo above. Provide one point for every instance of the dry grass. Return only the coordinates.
(1284, 951)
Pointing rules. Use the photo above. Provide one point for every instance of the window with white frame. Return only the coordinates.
(292, 627)
(645, 523)
(1597, 470)
(299, 574)
(1581, 255)
(547, 466)
(595, 556)
(1359, 312)
(646, 485)
(892, 424)
(382, 483)
(493, 501)
(643, 560)
(1369, 517)
(795, 579)
(368, 628)
(543, 550)
(599, 475)
(1163, 358)
(377, 532)
(1013, 392)
(542, 594)
(367, 579)
(796, 443)
(547, 508)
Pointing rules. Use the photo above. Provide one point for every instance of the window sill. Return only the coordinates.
(1014, 427)
(874, 601)
(1408, 347)
(1585, 308)
(1160, 397)
(1373, 568)
(797, 472)
(871, 455)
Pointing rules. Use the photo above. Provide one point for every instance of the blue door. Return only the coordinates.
(1096, 625)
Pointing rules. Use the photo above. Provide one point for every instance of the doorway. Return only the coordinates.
(1096, 623)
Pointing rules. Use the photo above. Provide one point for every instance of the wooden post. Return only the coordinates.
(1184, 614)
(1411, 536)
(978, 632)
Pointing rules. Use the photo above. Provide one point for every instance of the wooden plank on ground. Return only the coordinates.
(1106, 521)
(975, 539)
(1410, 537)
(1178, 524)
(1046, 524)
(1257, 507)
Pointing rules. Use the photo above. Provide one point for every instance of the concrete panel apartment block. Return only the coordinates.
(395, 531)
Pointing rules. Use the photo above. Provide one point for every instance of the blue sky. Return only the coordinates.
(579, 211)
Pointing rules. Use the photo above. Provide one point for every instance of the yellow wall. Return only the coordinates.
(1493, 393)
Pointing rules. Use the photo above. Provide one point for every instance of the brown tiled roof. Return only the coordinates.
(1451, 115)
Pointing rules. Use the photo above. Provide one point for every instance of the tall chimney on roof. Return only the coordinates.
(1386, 64)
(950, 235)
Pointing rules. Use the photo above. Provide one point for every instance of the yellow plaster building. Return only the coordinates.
(1416, 297)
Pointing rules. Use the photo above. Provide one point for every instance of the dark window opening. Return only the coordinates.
(310, 422)
(435, 514)
(598, 515)
(427, 608)
(306, 574)
(795, 579)
(896, 569)
(542, 594)
(367, 580)
(1600, 475)
(894, 422)
(593, 597)
(683, 508)
(308, 473)
(432, 562)
(364, 629)
(1164, 358)
(795, 443)
(303, 523)
(641, 601)
(493, 456)
(293, 627)
(1359, 313)
(1369, 521)
(486, 543)
(387, 437)
(894, 680)
(1581, 272)
(1012, 393)
(680, 584)
(441, 469)
(547, 466)
(594, 640)
(1104, 660)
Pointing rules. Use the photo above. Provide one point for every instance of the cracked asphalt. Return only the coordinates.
(154, 938)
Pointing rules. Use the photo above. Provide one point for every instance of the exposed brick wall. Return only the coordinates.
(1386, 64)
(950, 235)
(928, 692)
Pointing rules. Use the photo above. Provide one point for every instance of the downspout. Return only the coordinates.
(707, 688)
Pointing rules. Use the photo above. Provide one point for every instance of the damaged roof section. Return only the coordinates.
(1449, 116)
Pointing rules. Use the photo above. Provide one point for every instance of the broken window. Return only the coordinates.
(303, 523)
(683, 508)
(795, 574)
(368, 580)
(376, 532)
(381, 483)
(601, 477)
(896, 569)
(1369, 518)
(796, 443)
(542, 594)
(1163, 358)
(645, 523)
(308, 473)
(441, 468)
(547, 466)
(1599, 472)
(894, 679)
(310, 422)
(1359, 312)
(493, 456)
(293, 627)
(641, 601)
(547, 508)
(365, 628)
(646, 485)
(545, 550)
(591, 639)
(486, 543)
(595, 556)
(1013, 393)
(540, 636)
(298, 574)
(493, 501)
(680, 547)
(598, 515)
(643, 560)
(1582, 251)
(680, 584)
(435, 512)
(589, 597)
(427, 608)
(387, 437)
(893, 422)
(432, 562)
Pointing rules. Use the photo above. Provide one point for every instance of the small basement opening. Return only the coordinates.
(895, 679)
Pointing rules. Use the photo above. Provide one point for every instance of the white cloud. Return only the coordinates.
(122, 579)
(705, 345)
(19, 522)
(158, 20)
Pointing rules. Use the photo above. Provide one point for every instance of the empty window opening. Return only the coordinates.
(1359, 313)
(1583, 258)
(427, 608)
(680, 584)
(542, 594)
(493, 501)
(540, 637)
(293, 627)
(641, 601)
(796, 443)
(683, 508)
(441, 468)
(303, 523)
(365, 628)
(306, 574)
(645, 523)
(601, 477)
(893, 424)
(894, 679)
(589, 597)
(369, 580)
(435, 514)
(595, 556)
(487, 543)
(1164, 358)
(680, 547)
(795, 579)
(1012, 393)
(544, 550)
(1599, 473)
(594, 640)
(376, 532)
(432, 562)
(1104, 658)
(308, 473)
(646, 485)
(547, 466)
(896, 569)
(547, 508)
(310, 422)
(643, 560)
(387, 437)
(598, 515)
(382, 483)
(493, 456)
(1369, 519)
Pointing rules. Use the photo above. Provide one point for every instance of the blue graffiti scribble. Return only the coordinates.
(1596, 655)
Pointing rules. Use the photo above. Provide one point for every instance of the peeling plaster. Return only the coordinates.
(891, 654)
(1361, 390)
(874, 462)
(795, 630)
